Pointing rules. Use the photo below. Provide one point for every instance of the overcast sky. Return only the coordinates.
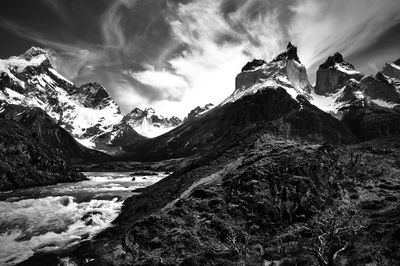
(174, 55)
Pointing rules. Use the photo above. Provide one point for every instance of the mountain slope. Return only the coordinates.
(270, 95)
(49, 133)
(25, 160)
(368, 120)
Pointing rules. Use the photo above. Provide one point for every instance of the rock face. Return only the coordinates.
(31, 80)
(92, 95)
(334, 74)
(26, 160)
(368, 120)
(196, 112)
(48, 133)
(272, 97)
(149, 124)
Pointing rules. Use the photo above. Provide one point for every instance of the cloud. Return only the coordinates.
(217, 45)
(321, 28)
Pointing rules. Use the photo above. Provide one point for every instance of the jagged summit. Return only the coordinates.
(285, 71)
(333, 75)
(33, 52)
(289, 54)
(332, 60)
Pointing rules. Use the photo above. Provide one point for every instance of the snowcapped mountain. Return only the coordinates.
(285, 71)
(149, 124)
(339, 84)
(31, 80)
(333, 75)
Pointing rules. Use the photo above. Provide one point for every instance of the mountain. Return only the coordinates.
(333, 75)
(47, 132)
(31, 80)
(339, 84)
(149, 124)
(271, 97)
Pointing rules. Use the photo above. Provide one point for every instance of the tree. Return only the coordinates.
(333, 232)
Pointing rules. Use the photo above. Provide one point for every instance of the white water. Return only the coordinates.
(57, 216)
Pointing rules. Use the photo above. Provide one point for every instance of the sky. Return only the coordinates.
(174, 55)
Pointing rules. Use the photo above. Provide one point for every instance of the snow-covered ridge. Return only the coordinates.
(31, 80)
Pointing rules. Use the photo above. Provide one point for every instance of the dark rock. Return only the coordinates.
(47, 131)
(253, 64)
(27, 161)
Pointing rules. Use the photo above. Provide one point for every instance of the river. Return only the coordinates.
(51, 217)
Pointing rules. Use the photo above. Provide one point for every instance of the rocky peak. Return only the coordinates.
(334, 74)
(92, 95)
(284, 71)
(379, 76)
(289, 54)
(198, 111)
(33, 52)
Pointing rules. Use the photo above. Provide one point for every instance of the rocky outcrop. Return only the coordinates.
(368, 120)
(196, 112)
(334, 74)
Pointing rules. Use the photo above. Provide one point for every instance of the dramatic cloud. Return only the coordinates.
(177, 54)
(323, 27)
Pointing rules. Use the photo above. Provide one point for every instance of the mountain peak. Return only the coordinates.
(334, 60)
(34, 52)
(289, 54)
